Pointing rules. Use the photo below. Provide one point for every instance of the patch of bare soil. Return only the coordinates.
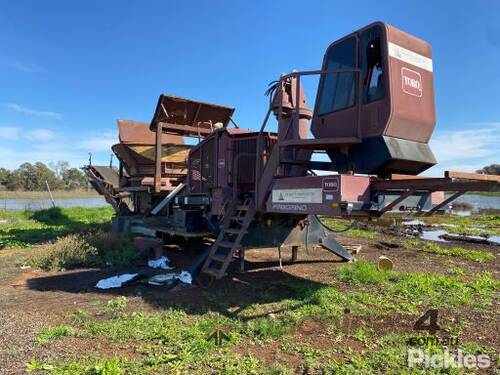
(32, 299)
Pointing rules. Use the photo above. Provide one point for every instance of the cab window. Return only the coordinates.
(338, 90)
(372, 71)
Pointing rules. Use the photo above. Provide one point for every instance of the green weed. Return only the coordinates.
(68, 252)
(84, 250)
(53, 333)
(412, 289)
(34, 227)
(456, 271)
(348, 229)
(432, 247)
(481, 225)
(116, 307)
(362, 272)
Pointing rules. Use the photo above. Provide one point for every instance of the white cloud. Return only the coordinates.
(22, 66)
(10, 133)
(40, 135)
(466, 150)
(26, 68)
(46, 146)
(34, 112)
(11, 158)
(99, 143)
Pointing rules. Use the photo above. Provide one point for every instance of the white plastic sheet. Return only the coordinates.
(115, 281)
(185, 277)
(162, 262)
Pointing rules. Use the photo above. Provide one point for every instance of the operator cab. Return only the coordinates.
(381, 93)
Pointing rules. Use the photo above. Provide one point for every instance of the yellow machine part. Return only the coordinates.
(170, 154)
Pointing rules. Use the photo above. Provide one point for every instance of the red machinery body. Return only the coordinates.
(373, 117)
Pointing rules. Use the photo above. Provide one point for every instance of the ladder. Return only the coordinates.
(234, 227)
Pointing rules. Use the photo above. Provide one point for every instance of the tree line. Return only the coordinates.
(35, 177)
(490, 169)
(59, 176)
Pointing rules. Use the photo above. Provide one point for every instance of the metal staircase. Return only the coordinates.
(234, 227)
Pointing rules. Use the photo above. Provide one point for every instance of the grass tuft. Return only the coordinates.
(434, 248)
(362, 272)
(68, 252)
(24, 229)
(53, 333)
(84, 250)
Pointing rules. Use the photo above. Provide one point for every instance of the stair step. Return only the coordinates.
(212, 271)
(232, 230)
(219, 257)
(225, 244)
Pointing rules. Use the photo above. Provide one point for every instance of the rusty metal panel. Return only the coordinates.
(189, 117)
(194, 167)
(208, 164)
(413, 114)
(138, 133)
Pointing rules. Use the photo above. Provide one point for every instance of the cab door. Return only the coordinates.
(374, 97)
(336, 109)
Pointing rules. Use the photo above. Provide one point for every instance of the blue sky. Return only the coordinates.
(68, 70)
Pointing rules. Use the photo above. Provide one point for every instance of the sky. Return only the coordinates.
(69, 69)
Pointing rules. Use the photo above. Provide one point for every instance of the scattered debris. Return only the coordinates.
(353, 249)
(382, 245)
(149, 247)
(412, 223)
(116, 281)
(185, 277)
(162, 262)
(415, 228)
(162, 279)
(384, 264)
(468, 238)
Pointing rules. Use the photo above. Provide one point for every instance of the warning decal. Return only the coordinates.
(297, 196)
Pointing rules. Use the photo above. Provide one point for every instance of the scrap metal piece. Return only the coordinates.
(165, 201)
(330, 243)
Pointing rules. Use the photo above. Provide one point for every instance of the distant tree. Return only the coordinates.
(33, 177)
(59, 168)
(27, 177)
(490, 169)
(14, 181)
(73, 178)
(43, 174)
(4, 176)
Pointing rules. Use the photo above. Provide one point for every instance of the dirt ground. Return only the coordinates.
(31, 299)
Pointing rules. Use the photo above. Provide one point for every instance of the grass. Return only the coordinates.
(66, 238)
(57, 194)
(93, 249)
(487, 193)
(348, 229)
(174, 340)
(362, 273)
(52, 333)
(23, 229)
(432, 247)
(479, 225)
(413, 289)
